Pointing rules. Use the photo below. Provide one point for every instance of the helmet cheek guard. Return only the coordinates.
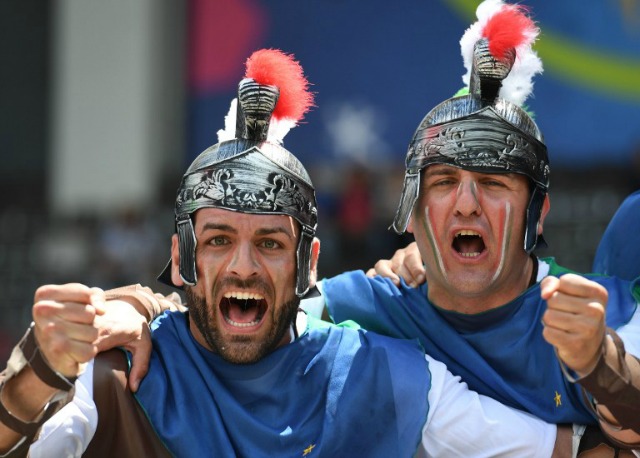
(531, 237)
(187, 250)
(303, 258)
(410, 191)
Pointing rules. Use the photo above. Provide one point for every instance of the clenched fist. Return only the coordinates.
(574, 321)
(64, 325)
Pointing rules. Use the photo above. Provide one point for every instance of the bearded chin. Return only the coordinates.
(240, 349)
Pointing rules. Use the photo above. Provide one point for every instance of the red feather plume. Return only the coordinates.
(274, 67)
(507, 29)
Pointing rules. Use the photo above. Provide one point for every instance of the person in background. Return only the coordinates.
(618, 253)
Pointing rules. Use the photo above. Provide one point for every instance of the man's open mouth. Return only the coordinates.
(243, 309)
(468, 244)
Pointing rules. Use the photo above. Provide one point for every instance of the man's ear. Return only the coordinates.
(546, 206)
(315, 254)
(175, 262)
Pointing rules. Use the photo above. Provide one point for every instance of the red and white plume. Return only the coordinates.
(276, 68)
(505, 26)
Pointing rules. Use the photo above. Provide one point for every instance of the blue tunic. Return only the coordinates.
(500, 353)
(333, 392)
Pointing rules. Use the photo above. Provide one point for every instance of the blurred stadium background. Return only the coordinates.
(103, 104)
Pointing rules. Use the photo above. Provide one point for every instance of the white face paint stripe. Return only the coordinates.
(432, 237)
(504, 241)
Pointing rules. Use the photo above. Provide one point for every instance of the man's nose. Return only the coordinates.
(467, 200)
(243, 261)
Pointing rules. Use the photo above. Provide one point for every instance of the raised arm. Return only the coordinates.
(40, 374)
(575, 324)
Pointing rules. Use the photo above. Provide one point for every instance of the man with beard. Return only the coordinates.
(243, 372)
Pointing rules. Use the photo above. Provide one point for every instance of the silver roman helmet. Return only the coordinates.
(486, 130)
(249, 170)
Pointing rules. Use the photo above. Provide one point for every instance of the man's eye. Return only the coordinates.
(270, 244)
(442, 183)
(218, 241)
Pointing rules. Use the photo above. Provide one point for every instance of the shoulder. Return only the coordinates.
(110, 370)
(355, 338)
(356, 285)
(123, 429)
(169, 319)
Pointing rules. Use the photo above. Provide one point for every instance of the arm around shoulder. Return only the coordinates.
(145, 301)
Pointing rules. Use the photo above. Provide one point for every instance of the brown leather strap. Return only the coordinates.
(28, 353)
(21, 450)
(36, 360)
(595, 444)
(25, 428)
(615, 383)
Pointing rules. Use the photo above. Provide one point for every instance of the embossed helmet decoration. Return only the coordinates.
(487, 130)
(249, 170)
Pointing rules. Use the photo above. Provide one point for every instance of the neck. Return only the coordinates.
(492, 297)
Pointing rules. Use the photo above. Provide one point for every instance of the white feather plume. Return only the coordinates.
(229, 131)
(278, 128)
(518, 85)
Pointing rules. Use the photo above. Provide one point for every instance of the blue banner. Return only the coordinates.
(379, 66)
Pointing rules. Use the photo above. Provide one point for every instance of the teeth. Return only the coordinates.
(241, 325)
(470, 255)
(243, 295)
(468, 232)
